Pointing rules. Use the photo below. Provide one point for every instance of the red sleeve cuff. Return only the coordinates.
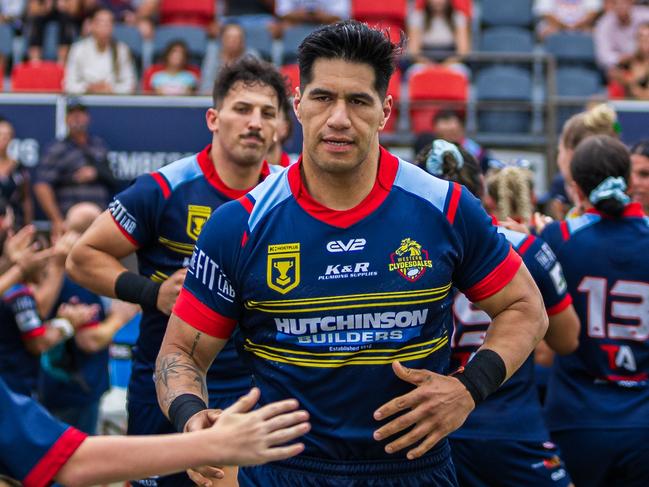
(496, 279)
(36, 332)
(128, 236)
(189, 309)
(60, 452)
(560, 306)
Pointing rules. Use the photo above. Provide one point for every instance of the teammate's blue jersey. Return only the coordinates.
(326, 300)
(604, 384)
(162, 214)
(69, 376)
(33, 445)
(19, 322)
(513, 412)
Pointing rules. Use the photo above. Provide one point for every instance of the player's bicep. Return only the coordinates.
(105, 236)
(183, 337)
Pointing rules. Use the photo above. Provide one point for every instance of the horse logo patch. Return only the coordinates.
(410, 260)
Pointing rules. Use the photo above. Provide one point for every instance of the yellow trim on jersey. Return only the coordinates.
(335, 363)
(158, 276)
(378, 299)
(340, 354)
(180, 247)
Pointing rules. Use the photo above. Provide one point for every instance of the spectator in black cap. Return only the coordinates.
(73, 170)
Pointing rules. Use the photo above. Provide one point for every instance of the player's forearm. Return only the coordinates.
(47, 291)
(45, 196)
(13, 275)
(515, 331)
(96, 338)
(178, 373)
(107, 459)
(93, 269)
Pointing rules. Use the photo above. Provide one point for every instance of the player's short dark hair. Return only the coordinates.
(351, 41)
(641, 148)
(250, 71)
(597, 158)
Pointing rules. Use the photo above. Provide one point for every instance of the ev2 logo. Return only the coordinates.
(353, 245)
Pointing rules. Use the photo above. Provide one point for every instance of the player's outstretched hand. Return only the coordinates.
(438, 406)
(253, 437)
(169, 291)
(206, 475)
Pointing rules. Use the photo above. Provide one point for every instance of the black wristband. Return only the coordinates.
(482, 375)
(184, 407)
(137, 289)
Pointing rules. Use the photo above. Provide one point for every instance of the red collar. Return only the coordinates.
(631, 210)
(284, 160)
(388, 165)
(212, 176)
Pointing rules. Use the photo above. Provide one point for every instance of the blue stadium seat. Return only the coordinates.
(506, 84)
(258, 38)
(507, 12)
(571, 47)
(293, 37)
(506, 39)
(6, 40)
(51, 41)
(194, 37)
(130, 36)
(575, 86)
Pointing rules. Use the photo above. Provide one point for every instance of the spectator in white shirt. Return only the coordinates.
(99, 64)
(566, 15)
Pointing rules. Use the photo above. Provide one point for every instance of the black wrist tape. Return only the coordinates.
(483, 374)
(137, 289)
(184, 407)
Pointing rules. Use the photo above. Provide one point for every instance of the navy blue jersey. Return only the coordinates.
(326, 300)
(70, 376)
(33, 445)
(162, 214)
(513, 412)
(19, 322)
(603, 384)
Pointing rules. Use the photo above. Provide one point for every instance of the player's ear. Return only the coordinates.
(296, 103)
(212, 119)
(387, 109)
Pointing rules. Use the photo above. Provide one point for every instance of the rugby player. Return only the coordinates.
(398, 240)
(37, 449)
(509, 424)
(597, 404)
(160, 216)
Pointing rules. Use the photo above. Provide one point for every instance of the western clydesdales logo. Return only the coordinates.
(196, 218)
(283, 268)
(410, 260)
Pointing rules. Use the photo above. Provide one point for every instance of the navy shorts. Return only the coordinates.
(434, 470)
(508, 463)
(606, 457)
(145, 418)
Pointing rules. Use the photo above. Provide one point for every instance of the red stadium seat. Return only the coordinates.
(195, 12)
(44, 76)
(394, 89)
(430, 86)
(154, 68)
(371, 11)
(464, 6)
(292, 74)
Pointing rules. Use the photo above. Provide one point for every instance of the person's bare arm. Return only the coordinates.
(94, 261)
(240, 437)
(96, 338)
(563, 331)
(462, 39)
(183, 360)
(440, 404)
(47, 199)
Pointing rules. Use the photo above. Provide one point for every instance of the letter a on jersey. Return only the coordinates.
(283, 268)
(196, 217)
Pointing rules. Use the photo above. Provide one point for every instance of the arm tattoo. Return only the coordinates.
(196, 339)
(176, 374)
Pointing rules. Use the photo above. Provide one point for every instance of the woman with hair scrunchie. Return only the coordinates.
(597, 405)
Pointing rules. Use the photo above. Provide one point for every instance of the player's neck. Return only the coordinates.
(233, 175)
(341, 191)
